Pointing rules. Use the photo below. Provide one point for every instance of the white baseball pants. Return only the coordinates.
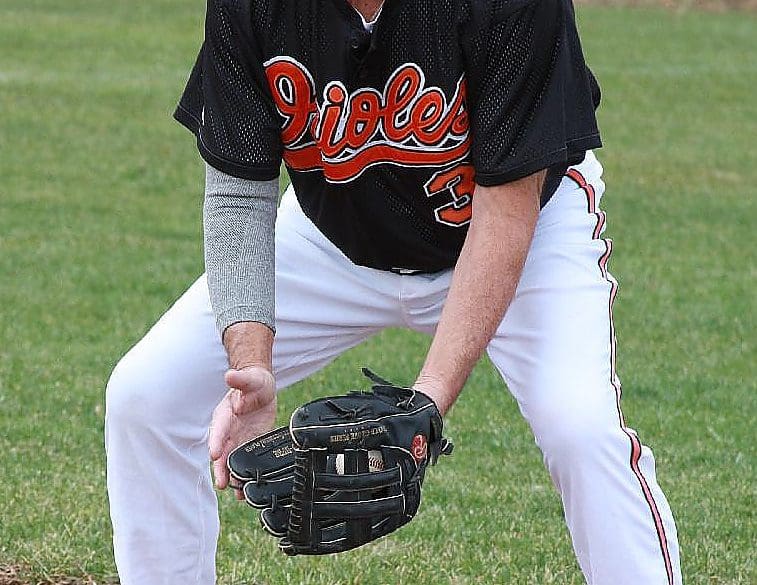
(555, 350)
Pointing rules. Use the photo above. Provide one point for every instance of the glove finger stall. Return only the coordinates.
(263, 493)
(267, 456)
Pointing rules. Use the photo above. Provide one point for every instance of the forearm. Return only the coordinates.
(483, 284)
(239, 221)
(239, 218)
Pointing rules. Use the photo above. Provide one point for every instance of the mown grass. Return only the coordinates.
(100, 198)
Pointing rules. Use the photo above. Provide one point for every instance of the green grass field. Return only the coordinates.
(100, 196)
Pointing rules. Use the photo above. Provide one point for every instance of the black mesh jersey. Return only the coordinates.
(385, 134)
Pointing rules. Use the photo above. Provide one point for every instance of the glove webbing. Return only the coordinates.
(358, 495)
(354, 462)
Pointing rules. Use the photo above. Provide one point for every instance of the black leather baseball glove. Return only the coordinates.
(348, 471)
(385, 438)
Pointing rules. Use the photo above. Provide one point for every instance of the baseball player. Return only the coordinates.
(443, 180)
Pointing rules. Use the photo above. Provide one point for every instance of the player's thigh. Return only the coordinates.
(555, 346)
(555, 351)
(174, 376)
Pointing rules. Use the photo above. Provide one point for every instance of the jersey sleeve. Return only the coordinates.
(531, 97)
(227, 102)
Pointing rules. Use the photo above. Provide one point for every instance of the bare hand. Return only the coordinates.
(247, 411)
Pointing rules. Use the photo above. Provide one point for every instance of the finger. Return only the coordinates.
(220, 428)
(238, 487)
(221, 473)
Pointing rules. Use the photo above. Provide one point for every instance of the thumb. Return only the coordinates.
(249, 379)
(256, 388)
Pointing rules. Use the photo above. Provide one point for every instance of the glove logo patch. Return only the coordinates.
(356, 435)
(285, 451)
(419, 448)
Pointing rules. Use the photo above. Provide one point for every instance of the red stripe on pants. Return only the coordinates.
(590, 192)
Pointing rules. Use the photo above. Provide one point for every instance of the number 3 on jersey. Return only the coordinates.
(458, 183)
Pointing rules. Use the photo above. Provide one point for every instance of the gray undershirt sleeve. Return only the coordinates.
(239, 218)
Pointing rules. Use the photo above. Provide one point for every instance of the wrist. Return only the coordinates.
(249, 344)
(436, 390)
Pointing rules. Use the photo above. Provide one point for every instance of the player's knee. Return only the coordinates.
(576, 438)
(576, 431)
(132, 395)
(122, 394)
